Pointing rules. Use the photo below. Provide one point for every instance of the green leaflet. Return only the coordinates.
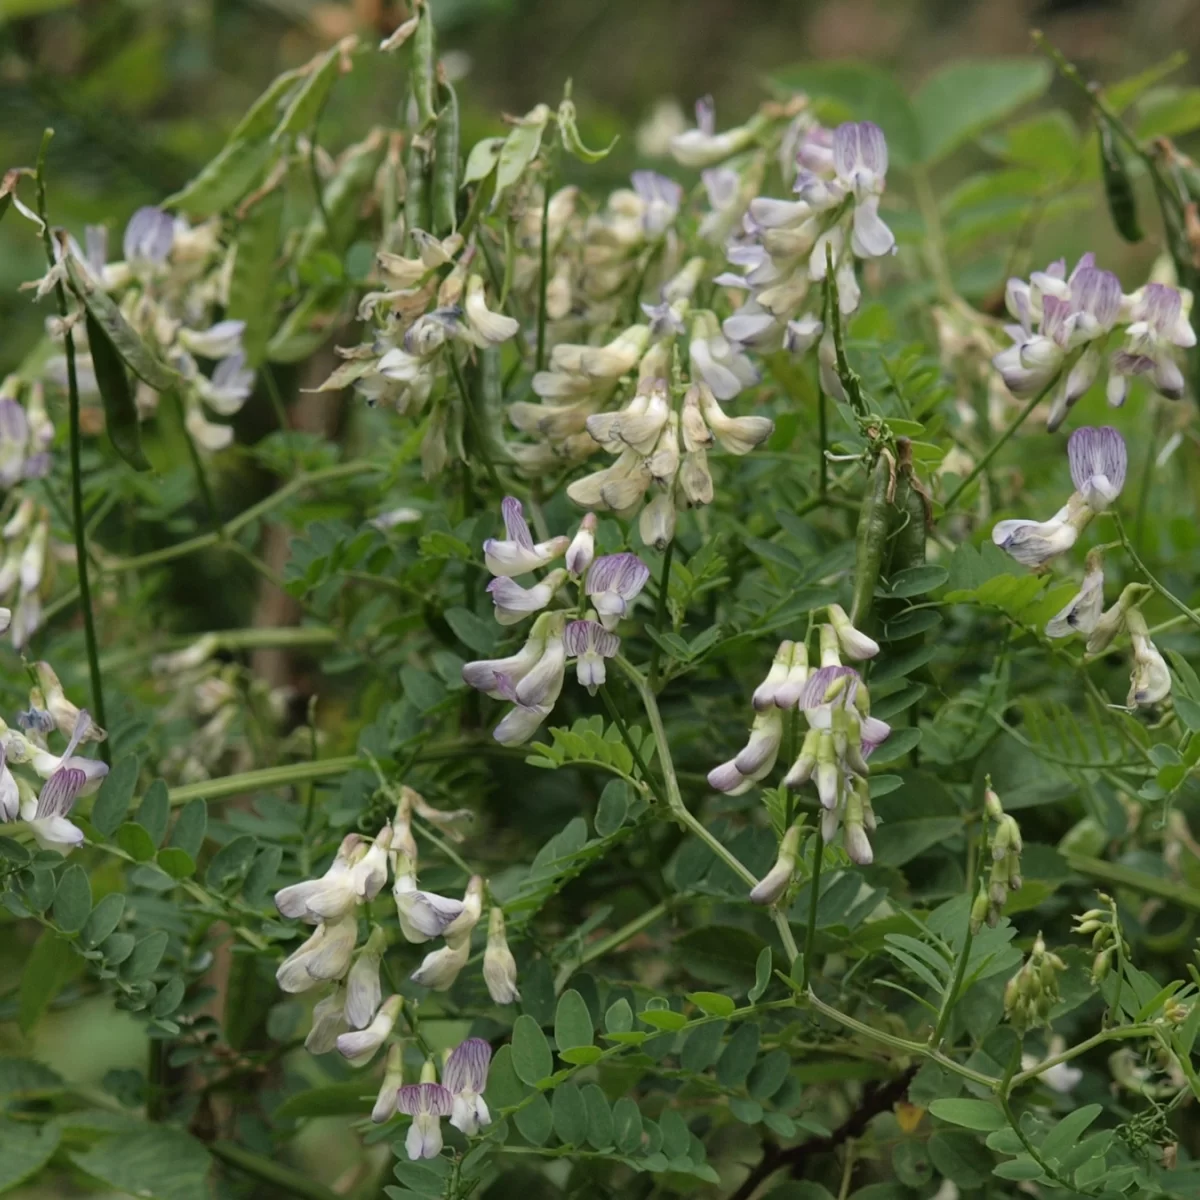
(120, 410)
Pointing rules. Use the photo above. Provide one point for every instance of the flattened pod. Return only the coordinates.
(445, 164)
(309, 98)
(871, 539)
(127, 343)
(423, 69)
(1118, 187)
(416, 197)
(120, 411)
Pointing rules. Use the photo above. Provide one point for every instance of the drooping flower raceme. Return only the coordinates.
(1063, 329)
(1098, 463)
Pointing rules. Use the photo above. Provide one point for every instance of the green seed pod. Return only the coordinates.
(871, 538)
(445, 164)
(417, 212)
(1118, 188)
(423, 60)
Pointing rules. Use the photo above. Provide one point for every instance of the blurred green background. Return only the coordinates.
(142, 92)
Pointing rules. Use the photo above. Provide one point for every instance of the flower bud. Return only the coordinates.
(328, 1023)
(980, 909)
(499, 966)
(363, 990)
(393, 1079)
(582, 549)
(855, 645)
(802, 769)
(360, 1046)
(656, 525)
(775, 883)
(766, 692)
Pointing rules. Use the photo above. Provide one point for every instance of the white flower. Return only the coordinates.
(703, 146)
(230, 386)
(325, 956)
(781, 666)
(426, 1103)
(489, 328)
(1150, 679)
(10, 796)
(364, 993)
(218, 341)
(737, 435)
(1159, 324)
(361, 1045)
(465, 1077)
(440, 968)
(331, 896)
(1035, 543)
(660, 198)
(582, 549)
(755, 760)
(719, 362)
(148, 238)
(855, 645)
(1083, 610)
(499, 966)
(423, 915)
(389, 1090)
(517, 554)
(66, 715)
(775, 882)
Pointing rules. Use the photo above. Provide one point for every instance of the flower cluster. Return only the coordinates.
(1098, 463)
(27, 550)
(172, 281)
(1033, 991)
(1005, 875)
(66, 776)
(786, 246)
(26, 433)
(841, 736)
(1063, 329)
(532, 678)
(459, 1096)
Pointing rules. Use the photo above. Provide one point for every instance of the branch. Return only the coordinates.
(876, 1099)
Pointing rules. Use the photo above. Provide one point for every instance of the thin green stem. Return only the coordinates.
(1160, 588)
(77, 522)
(1108, 1035)
(680, 810)
(810, 927)
(473, 418)
(1138, 881)
(630, 744)
(994, 448)
(1003, 1092)
(951, 996)
(235, 524)
(823, 437)
(660, 611)
(917, 1049)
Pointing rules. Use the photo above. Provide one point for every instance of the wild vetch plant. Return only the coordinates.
(745, 618)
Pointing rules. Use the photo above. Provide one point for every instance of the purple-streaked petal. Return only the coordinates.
(1097, 452)
(1161, 306)
(624, 574)
(467, 1066)
(514, 522)
(59, 793)
(706, 116)
(816, 688)
(1097, 293)
(149, 235)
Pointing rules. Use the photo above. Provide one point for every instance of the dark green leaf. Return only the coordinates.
(599, 1117)
(738, 1057)
(232, 861)
(160, 1164)
(105, 917)
(762, 975)
(42, 977)
(972, 1114)
(570, 1114)
(154, 811)
(531, 1055)
(535, 1121)
(114, 796)
(24, 1150)
(701, 1046)
(504, 1089)
(177, 863)
(146, 956)
(572, 1022)
(136, 842)
(73, 900)
(627, 1126)
(190, 827)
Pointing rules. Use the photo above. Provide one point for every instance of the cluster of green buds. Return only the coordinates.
(1108, 942)
(1005, 875)
(1033, 991)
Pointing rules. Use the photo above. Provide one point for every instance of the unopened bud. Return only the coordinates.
(854, 643)
(499, 966)
(775, 883)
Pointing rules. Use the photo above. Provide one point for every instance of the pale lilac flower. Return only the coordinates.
(765, 695)
(755, 760)
(776, 881)
(860, 161)
(541, 686)
(65, 715)
(440, 968)
(484, 674)
(47, 814)
(719, 362)
(10, 796)
(218, 341)
(514, 603)
(582, 549)
(465, 1077)
(430, 332)
(517, 554)
(149, 237)
(589, 643)
(703, 146)
(613, 582)
(1159, 325)
(660, 198)
(324, 957)
(426, 1103)
(1098, 462)
(331, 896)
(423, 915)
(364, 992)
(361, 1045)
(521, 721)
(230, 386)
(1035, 543)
